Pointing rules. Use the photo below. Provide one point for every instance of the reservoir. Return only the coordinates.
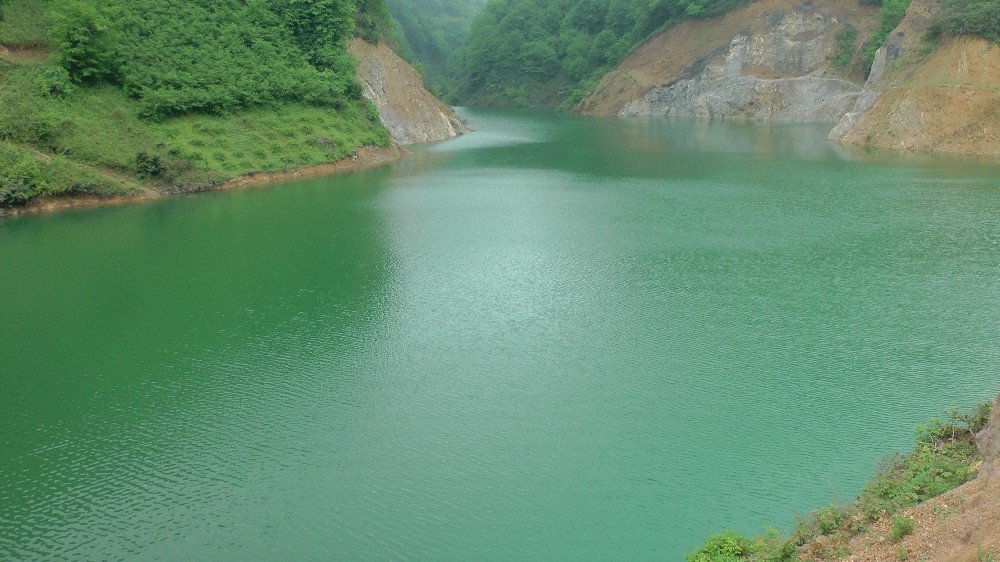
(556, 337)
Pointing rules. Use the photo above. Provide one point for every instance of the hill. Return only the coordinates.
(432, 30)
(922, 76)
(772, 59)
(547, 53)
(126, 97)
(930, 91)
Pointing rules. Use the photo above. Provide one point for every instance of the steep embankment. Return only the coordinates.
(940, 501)
(767, 60)
(409, 112)
(960, 525)
(918, 97)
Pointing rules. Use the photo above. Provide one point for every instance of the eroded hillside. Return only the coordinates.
(924, 97)
(960, 525)
(767, 60)
(409, 112)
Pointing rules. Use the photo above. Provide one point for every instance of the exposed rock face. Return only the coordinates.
(946, 101)
(768, 60)
(916, 22)
(406, 108)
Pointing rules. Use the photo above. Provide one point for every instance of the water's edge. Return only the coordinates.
(365, 158)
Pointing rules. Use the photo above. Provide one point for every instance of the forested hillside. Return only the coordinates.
(176, 91)
(549, 52)
(432, 30)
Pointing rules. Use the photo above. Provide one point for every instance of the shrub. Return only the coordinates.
(54, 81)
(13, 192)
(890, 16)
(901, 527)
(20, 176)
(80, 30)
(148, 165)
(846, 37)
(968, 17)
(929, 471)
(723, 547)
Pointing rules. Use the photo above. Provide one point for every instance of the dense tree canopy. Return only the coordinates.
(432, 30)
(546, 52)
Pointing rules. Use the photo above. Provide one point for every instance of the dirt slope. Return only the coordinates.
(407, 109)
(947, 100)
(956, 526)
(766, 60)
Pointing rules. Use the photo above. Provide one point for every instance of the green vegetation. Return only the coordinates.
(943, 459)
(556, 50)
(432, 30)
(890, 16)
(26, 174)
(846, 39)
(729, 546)
(24, 23)
(181, 56)
(968, 17)
(901, 527)
(177, 92)
(955, 17)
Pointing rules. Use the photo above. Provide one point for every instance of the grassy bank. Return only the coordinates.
(943, 458)
(96, 124)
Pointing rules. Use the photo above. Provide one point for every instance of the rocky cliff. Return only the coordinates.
(767, 60)
(923, 97)
(410, 113)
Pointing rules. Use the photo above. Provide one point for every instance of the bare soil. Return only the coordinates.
(947, 102)
(962, 525)
(407, 109)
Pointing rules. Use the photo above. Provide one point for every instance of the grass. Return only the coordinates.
(59, 135)
(98, 128)
(942, 459)
(26, 174)
(24, 23)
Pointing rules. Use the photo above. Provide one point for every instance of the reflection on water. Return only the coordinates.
(556, 337)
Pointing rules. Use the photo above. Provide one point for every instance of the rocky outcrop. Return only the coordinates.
(409, 112)
(768, 60)
(943, 98)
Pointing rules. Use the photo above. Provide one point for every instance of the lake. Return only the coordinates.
(554, 338)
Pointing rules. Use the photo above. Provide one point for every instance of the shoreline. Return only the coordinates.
(364, 158)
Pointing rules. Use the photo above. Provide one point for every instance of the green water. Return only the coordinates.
(554, 338)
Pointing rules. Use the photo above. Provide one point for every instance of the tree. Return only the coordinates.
(80, 30)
